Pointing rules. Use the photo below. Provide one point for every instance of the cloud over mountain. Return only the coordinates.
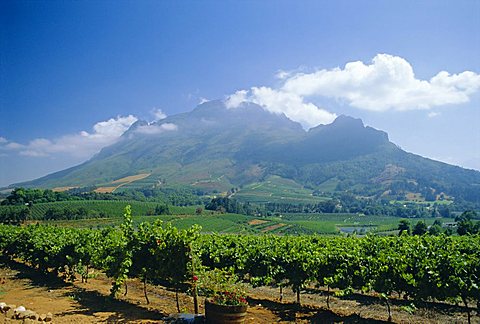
(277, 101)
(388, 83)
(153, 129)
(82, 144)
(158, 114)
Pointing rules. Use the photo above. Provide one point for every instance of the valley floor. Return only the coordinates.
(89, 303)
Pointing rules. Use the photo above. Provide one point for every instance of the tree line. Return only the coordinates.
(174, 196)
(464, 225)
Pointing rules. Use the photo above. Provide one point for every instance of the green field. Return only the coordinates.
(210, 222)
(328, 186)
(184, 217)
(111, 208)
(276, 190)
(110, 212)
(336, 223)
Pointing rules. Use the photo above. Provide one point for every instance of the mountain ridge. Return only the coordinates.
(216, 148)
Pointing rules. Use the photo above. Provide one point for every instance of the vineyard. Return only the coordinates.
(414, 268)
(99, 208)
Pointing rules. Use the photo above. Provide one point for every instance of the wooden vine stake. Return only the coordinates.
(194, 281)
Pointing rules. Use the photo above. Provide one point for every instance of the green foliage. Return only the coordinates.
(225, 204)
(22, 196)
(418, 267)
(124, 252)
(14, 214)
(465, 224)
(404, 226)
(85, 209)
(435, 229)
(160, 252)
(222, 287)
(422, 268)
(420, 228)
(162, 210)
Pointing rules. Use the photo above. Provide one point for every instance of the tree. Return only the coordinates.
(467, 215)
(436, 228)
(162, 210)
(465, 227)
(465, 224)
(438, 222)
(404, 226)
(420, 228)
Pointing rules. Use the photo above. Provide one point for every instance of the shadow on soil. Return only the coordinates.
(288, 312)
(438, 307)
(123, 312)
(90, 302)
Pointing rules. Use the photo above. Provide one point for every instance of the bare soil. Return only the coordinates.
(273, 227)
(89, 303)
(121, 182)
(257, 222)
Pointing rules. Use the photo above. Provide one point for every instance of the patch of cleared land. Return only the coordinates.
(122, 182)
(273, 227)
(61, 189)
(257, 222)
(132, 178)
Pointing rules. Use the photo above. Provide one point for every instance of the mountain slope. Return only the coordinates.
(215, 148)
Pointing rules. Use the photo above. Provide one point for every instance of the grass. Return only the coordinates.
(185, 217)
(316, 226)
(219, 223)
(328, 186)
(277, 190)
(235, 223)
(210, 222)
(333, 223)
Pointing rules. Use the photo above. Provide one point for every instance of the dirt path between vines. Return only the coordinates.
(89, 303)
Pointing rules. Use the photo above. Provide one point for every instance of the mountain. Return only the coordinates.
(214, 149)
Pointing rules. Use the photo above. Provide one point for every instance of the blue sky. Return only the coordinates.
(74, 75)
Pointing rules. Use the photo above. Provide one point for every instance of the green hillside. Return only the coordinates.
(214, 149)
(276, 189)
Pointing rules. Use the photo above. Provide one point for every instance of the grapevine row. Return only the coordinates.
(154, 252)
(420, 268)
(417, 267)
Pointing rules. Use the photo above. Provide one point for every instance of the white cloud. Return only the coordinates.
(34, 153)
(114, 127)
(433, 114)
(14, 146)
(169, 126)
(3, 140)
(203, 100)
(158, 114)
(153, 129)
(236, 99)
(282, 75)
(82, 144)
(281, 102)
(389, 83)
